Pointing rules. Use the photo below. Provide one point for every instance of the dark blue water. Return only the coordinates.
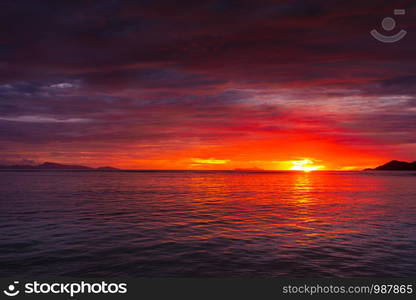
(200, 224)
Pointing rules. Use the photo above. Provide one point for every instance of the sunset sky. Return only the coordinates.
(206, 84)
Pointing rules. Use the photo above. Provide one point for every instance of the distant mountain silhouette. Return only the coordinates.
(107, 169)
(55, 166)
(396, 165)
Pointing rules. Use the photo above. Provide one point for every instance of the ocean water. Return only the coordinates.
(208, 224)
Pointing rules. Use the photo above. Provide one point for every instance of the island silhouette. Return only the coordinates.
(396, 165)
(55, 166)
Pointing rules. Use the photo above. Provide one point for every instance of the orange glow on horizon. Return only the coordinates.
(293, 152)
(305, 165)
(210, 161)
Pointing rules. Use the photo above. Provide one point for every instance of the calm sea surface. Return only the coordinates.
(208, 224)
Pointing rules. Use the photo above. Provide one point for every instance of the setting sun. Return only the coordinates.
(305, 165)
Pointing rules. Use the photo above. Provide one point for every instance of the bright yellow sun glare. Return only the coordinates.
(305, 165)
